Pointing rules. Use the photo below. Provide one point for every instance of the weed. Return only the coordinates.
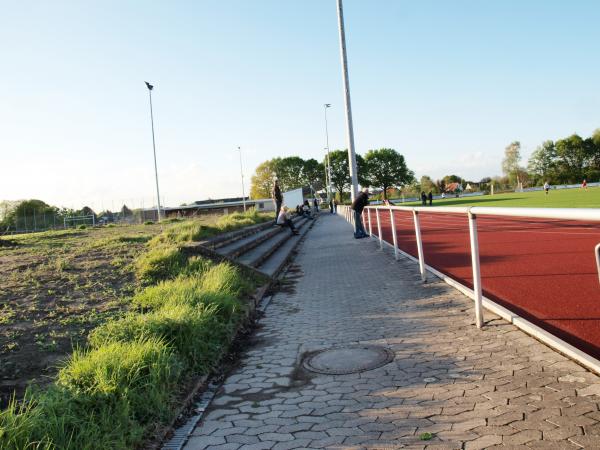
(426, 436)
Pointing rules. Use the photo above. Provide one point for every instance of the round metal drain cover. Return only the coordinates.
(349, 359)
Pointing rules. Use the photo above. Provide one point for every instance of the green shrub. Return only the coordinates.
(148, 222)
(111, 225)
(159, 263)
(82, 227)
(197, 333)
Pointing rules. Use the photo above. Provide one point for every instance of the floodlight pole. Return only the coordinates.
(242, 173)
(349, 128)
(325, 106)
(150, 87)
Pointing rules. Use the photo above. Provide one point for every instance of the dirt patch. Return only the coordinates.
(54, 288)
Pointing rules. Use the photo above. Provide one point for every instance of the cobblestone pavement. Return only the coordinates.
(468, 388)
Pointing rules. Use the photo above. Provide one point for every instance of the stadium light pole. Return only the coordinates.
(150, 87)
(242, 173)
(349, 128)
(325, 106)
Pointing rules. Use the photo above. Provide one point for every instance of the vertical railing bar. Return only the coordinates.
(379, 228)
(370, 227)
(419, 245)
(394, 237)
(476, 269)
(597, 251)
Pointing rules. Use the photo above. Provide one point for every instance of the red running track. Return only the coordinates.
(544, 270)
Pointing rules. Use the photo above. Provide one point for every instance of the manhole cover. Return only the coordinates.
(350, 359)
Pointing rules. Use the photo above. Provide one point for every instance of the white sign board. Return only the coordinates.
(291, 199)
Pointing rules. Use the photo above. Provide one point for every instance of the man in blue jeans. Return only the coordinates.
(359, 203)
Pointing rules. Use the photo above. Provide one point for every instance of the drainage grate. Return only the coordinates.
(348, 359)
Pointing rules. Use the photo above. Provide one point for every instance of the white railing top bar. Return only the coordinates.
(591, 214)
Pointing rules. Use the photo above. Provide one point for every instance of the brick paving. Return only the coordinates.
(467, 388)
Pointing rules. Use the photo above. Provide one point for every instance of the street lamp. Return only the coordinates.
(242, 173)
(349, 128)
(325, 106)
(150, 87)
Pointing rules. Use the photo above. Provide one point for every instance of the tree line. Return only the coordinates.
(383, 169)
(565, 161)
(38, 215)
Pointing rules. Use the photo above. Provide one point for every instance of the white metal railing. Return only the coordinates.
(471, 212)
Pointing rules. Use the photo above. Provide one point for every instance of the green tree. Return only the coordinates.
(313, 174)
(340, 171)
(542, 163)
(386, 168)
(427, 184)
(510, 163)
(263, 179)
(572, 158)
(290, 172)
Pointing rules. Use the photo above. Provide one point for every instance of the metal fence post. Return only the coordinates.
(379, 228)
(419, 245)
(370, 226)
(476, 269)
(394, 237)
(597, 252)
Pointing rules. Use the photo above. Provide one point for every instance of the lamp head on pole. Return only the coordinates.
(327, 105)
(149, 86)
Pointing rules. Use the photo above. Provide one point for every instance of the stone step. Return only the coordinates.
(261, 252)
(243, 245)
(232, 236)
(273, 265)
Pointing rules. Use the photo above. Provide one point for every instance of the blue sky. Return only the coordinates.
(447, 84)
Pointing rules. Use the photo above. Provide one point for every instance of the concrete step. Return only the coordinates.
(260, 253)
(238, 247)
(232, 236)
(273, 265)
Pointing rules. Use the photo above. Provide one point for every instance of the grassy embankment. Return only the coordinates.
(558, 198)
(115, 390)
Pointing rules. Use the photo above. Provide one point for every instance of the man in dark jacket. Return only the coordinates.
(430, 198)
(359, 203)
(277, 198)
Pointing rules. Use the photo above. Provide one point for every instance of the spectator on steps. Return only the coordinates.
(306, 210)
(277, 198)
(283, 219)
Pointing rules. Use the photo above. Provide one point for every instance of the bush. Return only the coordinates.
(148, 222)
(82, 227)
(159, 263)
(197, 333)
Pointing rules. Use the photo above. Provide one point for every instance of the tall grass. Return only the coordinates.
(109, 395)
(159, 263)
(196, 333)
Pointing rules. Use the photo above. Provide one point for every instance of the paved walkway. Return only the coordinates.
(468, 388)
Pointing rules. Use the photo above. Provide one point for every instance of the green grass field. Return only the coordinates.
(558, 198)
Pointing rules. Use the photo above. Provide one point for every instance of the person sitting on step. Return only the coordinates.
(284, 220)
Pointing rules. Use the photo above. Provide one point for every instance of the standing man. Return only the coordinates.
(277, 198)
(430, 198)
(546, 187)
(358, 205)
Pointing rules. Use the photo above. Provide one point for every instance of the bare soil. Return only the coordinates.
(54, 288)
